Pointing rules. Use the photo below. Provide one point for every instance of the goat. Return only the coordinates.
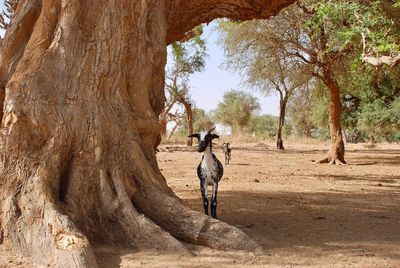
(227, 152)
(209, 171)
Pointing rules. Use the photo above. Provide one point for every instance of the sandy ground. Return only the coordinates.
(301, 213)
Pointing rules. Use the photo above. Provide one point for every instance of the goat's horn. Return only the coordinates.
(211, 130)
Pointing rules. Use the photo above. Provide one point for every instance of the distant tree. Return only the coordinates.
(263, 126)
(236, 110)
(201, 121)
(251, 50)
(177, 86)
(297, 42)
(189, 57)
(300, 112)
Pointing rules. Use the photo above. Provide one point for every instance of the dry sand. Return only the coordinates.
(303, 214)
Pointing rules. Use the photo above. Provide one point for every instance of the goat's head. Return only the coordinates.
(226, 144)
(204, 138)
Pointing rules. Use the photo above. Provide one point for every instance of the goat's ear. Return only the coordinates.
(214, 136)
(196, 135)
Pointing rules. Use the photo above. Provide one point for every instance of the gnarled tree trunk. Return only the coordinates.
(337, 150)
(83, 89)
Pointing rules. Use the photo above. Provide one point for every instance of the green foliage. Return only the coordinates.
(190, 56)
(267, 67)
(236, 110)
(201, 121)
(300, 111)
(262, 126)
(320, 100)
(380, 107)
(347, 22)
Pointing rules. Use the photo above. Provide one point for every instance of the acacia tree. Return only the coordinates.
(236, 110)
(306, 46)
(83, 86)
(189, 56)
(178, 88)
(201, 121)
(300, 112)
(346, 32)
(265, 64)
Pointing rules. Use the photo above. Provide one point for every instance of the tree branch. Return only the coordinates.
(391, 61)
(182, 15)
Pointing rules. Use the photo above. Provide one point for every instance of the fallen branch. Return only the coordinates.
(391, 61)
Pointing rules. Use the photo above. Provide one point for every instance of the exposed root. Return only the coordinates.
(138, 230)
(331, 161)
(191, 226)
(339, 162)
(324, 160)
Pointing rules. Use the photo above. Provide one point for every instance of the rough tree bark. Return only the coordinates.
(337, 150)
(83, 88)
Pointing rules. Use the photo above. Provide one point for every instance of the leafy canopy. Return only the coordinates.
(236, 110)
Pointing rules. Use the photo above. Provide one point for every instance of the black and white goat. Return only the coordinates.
(226, 149)
(210, 170)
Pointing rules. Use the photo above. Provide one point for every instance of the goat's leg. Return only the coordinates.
(204, 195)
(214, 200)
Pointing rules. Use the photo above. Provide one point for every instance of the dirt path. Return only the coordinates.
(303, 214)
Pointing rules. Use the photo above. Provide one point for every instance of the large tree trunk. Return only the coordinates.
(83, 83)
(281, 123)
(337, 150)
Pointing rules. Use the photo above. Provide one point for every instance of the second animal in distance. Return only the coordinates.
(226, 149)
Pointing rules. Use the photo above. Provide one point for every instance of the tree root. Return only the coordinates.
(141, 232)
(192, 226)
(331, 161)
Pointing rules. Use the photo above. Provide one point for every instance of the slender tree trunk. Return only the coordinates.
(163, 119)
(83, 84)
(189, 118)
(281, 123)
(172, 132)
(308, 133)
(337, 150)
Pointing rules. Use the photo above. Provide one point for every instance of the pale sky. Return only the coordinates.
(207, 88)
